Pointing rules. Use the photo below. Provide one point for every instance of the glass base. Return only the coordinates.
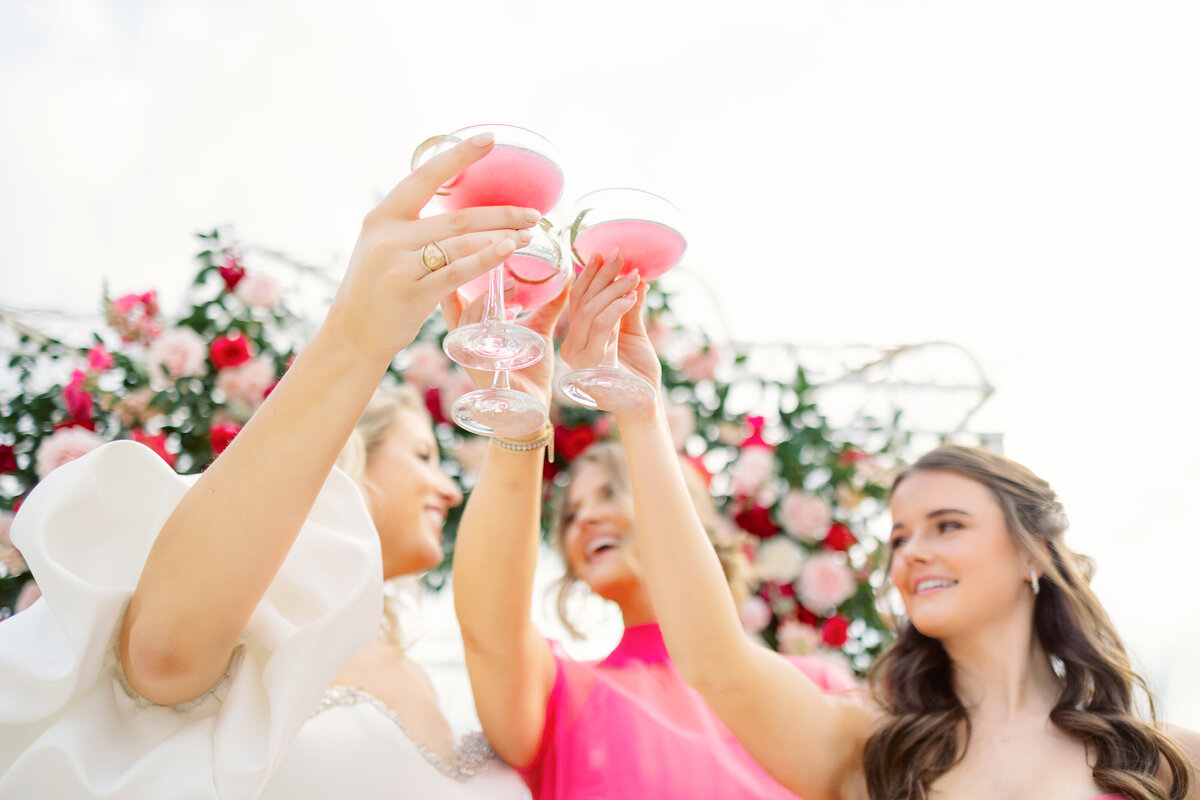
(494, 346)
(607, 388)
(498, 412)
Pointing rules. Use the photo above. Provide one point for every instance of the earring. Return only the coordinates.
(1033, 582)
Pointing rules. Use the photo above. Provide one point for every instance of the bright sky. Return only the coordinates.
(1020, 178)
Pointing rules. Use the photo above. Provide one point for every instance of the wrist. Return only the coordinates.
(529, 443)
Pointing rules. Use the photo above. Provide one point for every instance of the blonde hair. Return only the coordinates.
(371, 430)
(611, 456)
(369, 433)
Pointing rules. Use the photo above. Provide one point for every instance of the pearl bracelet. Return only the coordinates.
(546, 439)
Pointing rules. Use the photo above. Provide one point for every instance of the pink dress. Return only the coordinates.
(628, 726)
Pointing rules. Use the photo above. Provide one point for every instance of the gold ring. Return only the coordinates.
(433, 257)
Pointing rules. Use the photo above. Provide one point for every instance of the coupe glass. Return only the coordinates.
(648, 232)
(540, 274)
(521, 170)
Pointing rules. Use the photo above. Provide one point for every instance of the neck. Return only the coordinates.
(1001, 671)
(634, 602)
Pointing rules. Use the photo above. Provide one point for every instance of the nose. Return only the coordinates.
(449, 490)
(916, 550)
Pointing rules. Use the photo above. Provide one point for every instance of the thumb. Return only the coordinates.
(545, 318)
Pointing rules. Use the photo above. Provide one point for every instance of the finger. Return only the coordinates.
(544, 319)
(609, 270)
(410, 195)
(634, 321)
(456, 273)
(584, 278)
(602, 326)
(471, 220)
(452, 310)
(604, 296)
(457, 247)
(473, 311)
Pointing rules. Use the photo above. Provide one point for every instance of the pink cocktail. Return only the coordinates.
(507, 176)
(537, 283)
(649, 247)
(646, 230)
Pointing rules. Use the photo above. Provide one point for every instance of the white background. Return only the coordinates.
(1022, 178)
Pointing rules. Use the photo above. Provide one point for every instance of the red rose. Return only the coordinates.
(8, 459)
(839, 538)
(232, 273)
(221, 435)
(79, 402)
(158, 443)
(806, 617)
(433, 404)
(851, 455)
(835, 631)
(756, 520)
(569, 443)
(229, 351)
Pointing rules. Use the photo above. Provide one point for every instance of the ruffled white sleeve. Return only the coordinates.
(68, 728)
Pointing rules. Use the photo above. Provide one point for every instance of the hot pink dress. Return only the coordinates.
(628, 726)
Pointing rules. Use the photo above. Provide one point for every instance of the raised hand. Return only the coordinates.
(602, 299)
(388, 290)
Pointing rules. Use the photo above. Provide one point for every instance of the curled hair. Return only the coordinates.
(611, 457)
(928, 731)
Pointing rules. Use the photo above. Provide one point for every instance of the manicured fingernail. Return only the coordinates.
(482, 139)
(533, 216)
(614, 254)
(634, 275)
(525, 237)
(509, 283)
(506, 247)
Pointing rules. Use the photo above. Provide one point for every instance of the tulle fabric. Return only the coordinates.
(68, 729)
(628, 726)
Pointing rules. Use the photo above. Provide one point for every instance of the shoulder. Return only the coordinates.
(1188, 741)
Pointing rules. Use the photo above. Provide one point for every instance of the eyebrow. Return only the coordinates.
(933, 514)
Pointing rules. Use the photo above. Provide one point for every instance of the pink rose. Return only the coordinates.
(79, 403)
(11, 561)
(755, 614)
(457, 384)
(29, 594)
(825, 582)
(778, 559)
(682, 423)
(99, 359)
(65, 445)
(750, 472)
(427, 365)
(246, 385)
(701, 364)
(179, 353)
(133, 317)
(258, 290)
(805, 516)
(469, 454)
(796, 638)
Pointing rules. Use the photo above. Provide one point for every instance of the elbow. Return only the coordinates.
(160, 671)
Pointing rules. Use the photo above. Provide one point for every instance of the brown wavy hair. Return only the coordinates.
(611, 456)
(929, 729)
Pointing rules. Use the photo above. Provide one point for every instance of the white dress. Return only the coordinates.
(69, 729)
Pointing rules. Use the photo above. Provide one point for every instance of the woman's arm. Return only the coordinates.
(241, 517)
(495, 554)
(771, 708)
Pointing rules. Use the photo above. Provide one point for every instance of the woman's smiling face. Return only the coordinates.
(953, 561)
